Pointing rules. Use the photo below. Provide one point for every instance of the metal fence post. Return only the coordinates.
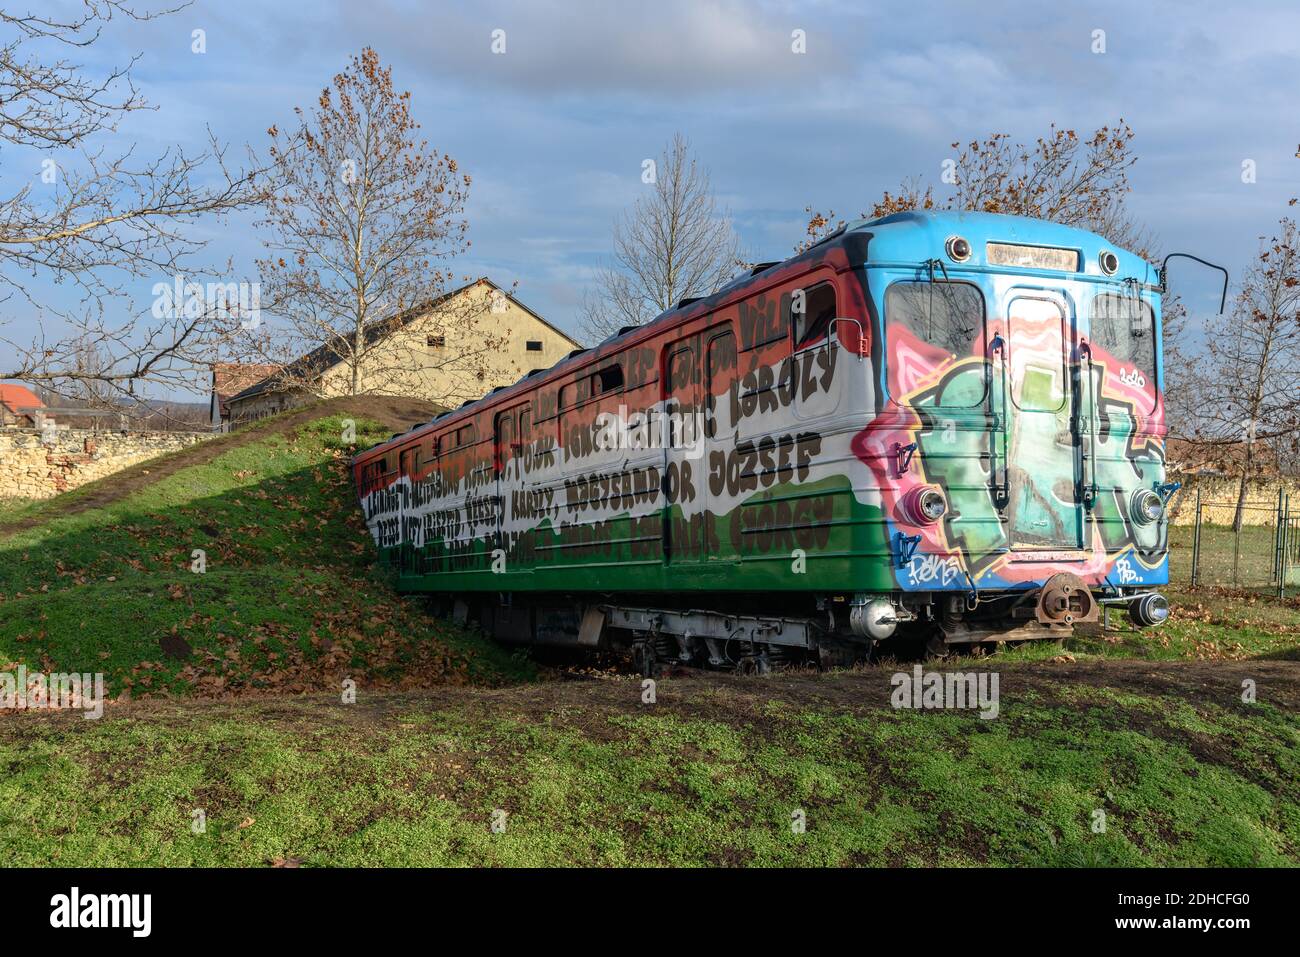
(1284, 557)
(1238, 522)
(1196, 540)
(1278, 537)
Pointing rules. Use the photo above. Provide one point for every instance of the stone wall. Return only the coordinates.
(34, 464)
(1219, 499)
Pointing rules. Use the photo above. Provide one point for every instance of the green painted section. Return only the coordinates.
(790, 538)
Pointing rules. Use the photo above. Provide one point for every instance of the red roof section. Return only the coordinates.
(19, 399)
(231, 378)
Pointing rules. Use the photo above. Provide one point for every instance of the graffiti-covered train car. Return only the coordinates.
(939, 424)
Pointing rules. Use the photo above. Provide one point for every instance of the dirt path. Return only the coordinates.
(732, 699)
(396, 413)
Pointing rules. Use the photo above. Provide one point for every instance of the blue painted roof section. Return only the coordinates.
(917, 236)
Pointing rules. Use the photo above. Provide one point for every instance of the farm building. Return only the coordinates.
(435, 352)
(228, 380)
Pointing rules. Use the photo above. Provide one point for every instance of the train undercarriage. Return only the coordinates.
(826, 631)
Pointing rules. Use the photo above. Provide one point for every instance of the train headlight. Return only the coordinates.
(958, 249)
(1109, 262)
(925, 505)
(1149, 610)
(1146, 507)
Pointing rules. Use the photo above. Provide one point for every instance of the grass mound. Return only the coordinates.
(238, 565)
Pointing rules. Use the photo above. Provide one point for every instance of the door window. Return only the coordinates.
(1038, 355)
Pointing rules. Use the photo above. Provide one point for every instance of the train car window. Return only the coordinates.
(606, 380)
(720, 374)
(680, 386)
(949, 315)
(1124, 327)
(464, 436)
(525, 438)
(811, 324)
(568, 403)
(763, 319)
(505, 439)
(722, 361)
(679, 371)
(1037, 329)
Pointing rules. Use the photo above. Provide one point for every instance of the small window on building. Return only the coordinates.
(534, 345)
(435, 342)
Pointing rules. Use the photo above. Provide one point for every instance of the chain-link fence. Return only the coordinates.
(1240, 546)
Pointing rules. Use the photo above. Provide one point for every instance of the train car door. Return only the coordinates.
(818, 362)
(1043, 457)
(504, 450)
(409, 553)
(682, 435)
(723, 525)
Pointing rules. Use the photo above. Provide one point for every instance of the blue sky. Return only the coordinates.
(554, 131)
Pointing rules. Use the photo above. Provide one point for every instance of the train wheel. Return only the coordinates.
(644, 659)
(936, 648)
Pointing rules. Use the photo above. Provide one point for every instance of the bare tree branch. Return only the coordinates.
(105, 219)
(1252, 365)
(674, 243)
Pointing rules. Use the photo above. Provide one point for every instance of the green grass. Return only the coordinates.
(717, 780)
(1205, 624)
(291, 601)
(288, 599)
(12, 509)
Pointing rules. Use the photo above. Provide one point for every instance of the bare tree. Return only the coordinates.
(360, 214)
(1253, 365)
(1062, 177)
(674, 243)
(107, 218)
